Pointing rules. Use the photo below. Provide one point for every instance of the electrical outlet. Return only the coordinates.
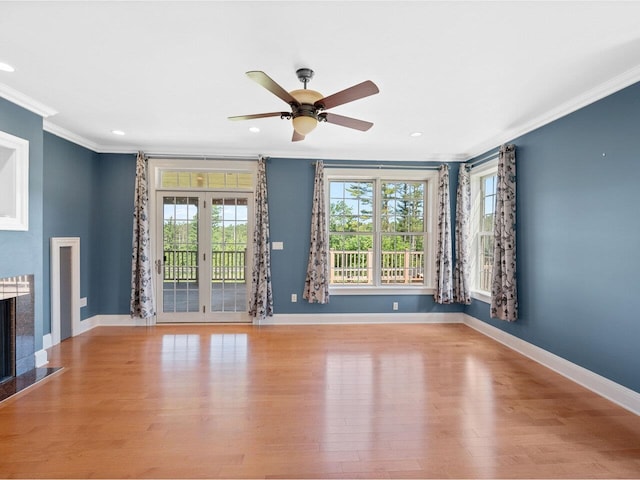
(395, 305)
(294, 298)
(83, 302)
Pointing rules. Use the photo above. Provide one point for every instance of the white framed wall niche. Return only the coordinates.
(14, 182)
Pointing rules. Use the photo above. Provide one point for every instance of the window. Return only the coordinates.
(379, 230)
(484, 183)
(207, 180)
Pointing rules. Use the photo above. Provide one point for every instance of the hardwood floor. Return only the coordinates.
(354, 401)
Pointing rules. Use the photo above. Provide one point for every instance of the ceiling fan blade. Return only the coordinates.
(260, 115)
(350, 94)
(297, 137)
(267, 82)
(346, 121)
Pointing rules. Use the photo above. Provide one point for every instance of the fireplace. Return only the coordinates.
(17, 334)
(17, 337)
(7, 339)
(18, 291)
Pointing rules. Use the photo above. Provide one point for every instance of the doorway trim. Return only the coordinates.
(192, 164)
(56, 244)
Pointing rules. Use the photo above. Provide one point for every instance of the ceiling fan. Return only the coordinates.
(307, 106)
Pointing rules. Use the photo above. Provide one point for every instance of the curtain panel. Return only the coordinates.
(261, 301)
(142, 305)
(444, 278)
(461, 272)
(316, 284)
(504, 298)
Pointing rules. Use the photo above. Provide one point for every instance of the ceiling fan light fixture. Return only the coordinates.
(304, 125)
(304, 116)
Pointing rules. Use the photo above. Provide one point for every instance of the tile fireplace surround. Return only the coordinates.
(21, 288)
(26, 374)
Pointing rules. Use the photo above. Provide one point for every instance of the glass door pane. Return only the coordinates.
(180, 249)
(229, 242)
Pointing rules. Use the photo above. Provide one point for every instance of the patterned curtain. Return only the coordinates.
(316, 285)
(461, 273)
(504, 297)
(141, 268)
(444, 280)
(261, 301)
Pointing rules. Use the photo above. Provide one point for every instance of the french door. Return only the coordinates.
(203, 256)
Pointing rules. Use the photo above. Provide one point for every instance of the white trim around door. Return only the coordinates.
(57, 243)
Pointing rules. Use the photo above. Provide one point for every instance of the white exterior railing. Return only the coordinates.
(349, 267)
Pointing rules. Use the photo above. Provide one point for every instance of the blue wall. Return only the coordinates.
(578, 234)
(112, 228)
(90, 195)
(21, 252)
(69, 185)
(290, 195)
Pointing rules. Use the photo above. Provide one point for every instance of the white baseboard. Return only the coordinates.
(87, 324)
(41, 358)
(119, 321)
(361, 318)
(623, 396)
(109, 321)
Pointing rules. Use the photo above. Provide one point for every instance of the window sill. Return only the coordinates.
(482, 296)
(383, 290)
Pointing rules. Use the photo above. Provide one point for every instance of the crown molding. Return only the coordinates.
(24, 101)
(47, 126)
(599, 92)
(593, 95)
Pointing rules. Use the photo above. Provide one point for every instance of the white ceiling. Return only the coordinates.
(469, 75)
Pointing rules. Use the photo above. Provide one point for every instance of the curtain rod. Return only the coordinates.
(486, 158)
(200, 157)
(380, 166)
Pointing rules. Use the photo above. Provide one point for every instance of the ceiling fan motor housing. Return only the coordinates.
(306, 98)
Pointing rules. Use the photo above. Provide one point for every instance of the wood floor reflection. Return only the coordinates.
(357, 401)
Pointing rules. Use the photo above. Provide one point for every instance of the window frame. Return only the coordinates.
(158, 167)
(378, 175)
(477, 174)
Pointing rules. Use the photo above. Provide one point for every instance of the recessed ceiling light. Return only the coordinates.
(254, 129)
(5, 67)
(415, 134)
(117, 132)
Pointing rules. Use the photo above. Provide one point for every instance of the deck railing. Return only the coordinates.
(182, 266)
(348, 267)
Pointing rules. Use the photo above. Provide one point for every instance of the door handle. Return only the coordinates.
(159, 264)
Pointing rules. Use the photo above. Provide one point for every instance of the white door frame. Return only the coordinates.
(56, 244)
(185, 164)
(204, 262)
